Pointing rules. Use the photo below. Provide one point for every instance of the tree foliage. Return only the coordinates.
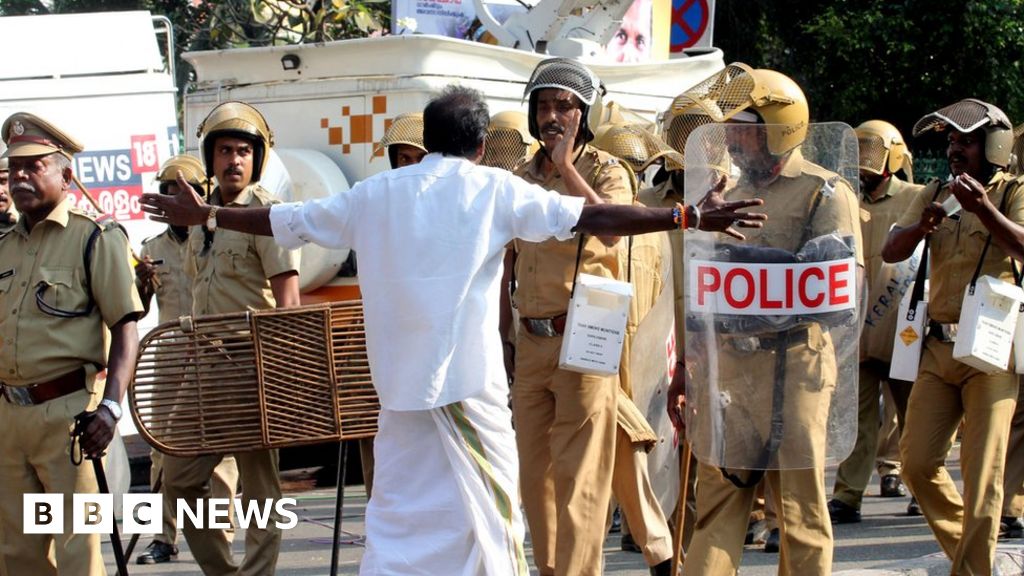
(855, 59)
(891, 59)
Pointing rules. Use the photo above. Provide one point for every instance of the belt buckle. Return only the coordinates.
(542, 327)
(18, 396)
(949, 332)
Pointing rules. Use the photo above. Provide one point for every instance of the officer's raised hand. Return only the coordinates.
(562, 153)
(969, 192)
(719, 215)
(186, 208)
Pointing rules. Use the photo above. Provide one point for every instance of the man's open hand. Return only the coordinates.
(185, 208)
(719, 215)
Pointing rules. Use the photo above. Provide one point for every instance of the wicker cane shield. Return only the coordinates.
(255, 380)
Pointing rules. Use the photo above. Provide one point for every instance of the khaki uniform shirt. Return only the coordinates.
(957, 244)
(174, 291)
(884, 287)
(35, 346)
(664, 196)
(232, 274)
(544, 270)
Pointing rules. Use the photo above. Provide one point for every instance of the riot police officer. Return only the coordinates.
(763, 387)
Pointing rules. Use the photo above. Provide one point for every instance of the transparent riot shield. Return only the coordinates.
(773, 321)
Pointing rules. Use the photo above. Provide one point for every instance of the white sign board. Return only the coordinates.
(772, 289)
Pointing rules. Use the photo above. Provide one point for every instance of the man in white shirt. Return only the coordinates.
(446, 490)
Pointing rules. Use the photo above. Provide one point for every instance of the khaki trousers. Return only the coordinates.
(34, 457)
(565, 430)
(1013, 476)
(946, 392)
(723, 510)
(854, 473)
(631, 484)
(223, 484)
(189, 478)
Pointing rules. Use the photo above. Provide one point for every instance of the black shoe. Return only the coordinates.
(663, 569)
(616, 522)
(771, 545)
(891, 487)
(157, 553)
(913, 509)
(1010, 527)
(842, 513)
(628, 544)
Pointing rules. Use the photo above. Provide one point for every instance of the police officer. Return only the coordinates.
(233, 271)
(772, 167)
(681, 118)
(403, 140)
(884, 198)
(8, 214)
(65, 279)
(989, 230)
(565, 421)
(161, 273)
(644, 527)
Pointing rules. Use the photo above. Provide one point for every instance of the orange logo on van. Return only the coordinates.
(360, 126)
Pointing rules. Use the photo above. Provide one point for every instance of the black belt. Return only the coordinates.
(45, 391)
(942, 332)
(547, 327)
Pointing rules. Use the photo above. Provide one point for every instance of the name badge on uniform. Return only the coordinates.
(6, 273)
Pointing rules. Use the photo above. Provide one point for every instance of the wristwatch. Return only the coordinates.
(211, 218)
(113, 406)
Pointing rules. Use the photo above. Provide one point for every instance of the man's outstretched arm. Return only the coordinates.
(188, 209)
(716, 215)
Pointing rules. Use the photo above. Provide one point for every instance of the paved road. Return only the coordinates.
(885, 535)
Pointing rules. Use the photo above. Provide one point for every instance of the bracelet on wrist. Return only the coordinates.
(679, 216)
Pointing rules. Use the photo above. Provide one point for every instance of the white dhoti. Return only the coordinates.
(446, 492)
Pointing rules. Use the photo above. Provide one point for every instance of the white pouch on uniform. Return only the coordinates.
(909, 340)
(988, 321)
(595, 325)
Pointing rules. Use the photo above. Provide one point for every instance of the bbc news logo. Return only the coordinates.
(143, 513)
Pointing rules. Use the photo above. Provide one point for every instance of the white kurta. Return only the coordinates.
(431, 239)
